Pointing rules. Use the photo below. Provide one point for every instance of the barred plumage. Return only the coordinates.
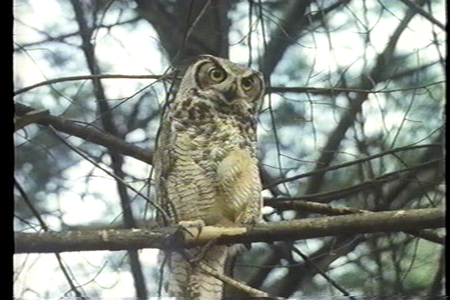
(205, 162)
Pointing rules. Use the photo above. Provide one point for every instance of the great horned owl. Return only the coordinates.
(206, 165)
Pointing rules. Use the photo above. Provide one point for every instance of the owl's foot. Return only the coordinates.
(193, 228)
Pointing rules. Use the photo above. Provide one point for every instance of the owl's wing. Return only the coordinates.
(162, 165)
(187, 186)
(240, 186)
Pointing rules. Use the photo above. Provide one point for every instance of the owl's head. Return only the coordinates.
(225, 81)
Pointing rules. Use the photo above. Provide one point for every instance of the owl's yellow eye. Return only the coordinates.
(247, 83)
(217, 74)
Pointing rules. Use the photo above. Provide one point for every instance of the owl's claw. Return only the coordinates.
(193, 228)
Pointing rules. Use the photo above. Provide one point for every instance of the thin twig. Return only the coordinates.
(89, 77)
(237, 284)
(63, 37)
(156, 206)
(334, 91)
(194, 23)
(324, 275)
(30, 205)
(347, 164)
(45, 227)
(423, 13)
(273, 89)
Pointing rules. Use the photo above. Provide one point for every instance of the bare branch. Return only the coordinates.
(323, 274)
(321, 208)
(350, 163)
(29, 118)
(88, 133)
(423, 13)
(171, 237)
(238, 285)
(117, 178)
(378, 73)
(88, 77)
(335, 91)
(295, 21)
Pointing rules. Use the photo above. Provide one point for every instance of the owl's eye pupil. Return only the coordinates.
(247, 83)
(217, 74)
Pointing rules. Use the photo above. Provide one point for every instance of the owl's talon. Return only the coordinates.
(187, 227)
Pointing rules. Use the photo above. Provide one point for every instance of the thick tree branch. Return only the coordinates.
(108, 122)
(189, 28)
(171, 237)
(296, 20)
(88, 133)
(424, 13)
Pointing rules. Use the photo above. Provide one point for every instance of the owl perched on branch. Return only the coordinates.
(206, 164)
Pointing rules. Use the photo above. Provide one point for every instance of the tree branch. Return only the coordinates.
(423, 13)
(88, 133)
(295, 21)
(228, 280)
(379, 72)
(108, 122)
(172, 237)
(351, 190)
(88, 77)
(333, 91)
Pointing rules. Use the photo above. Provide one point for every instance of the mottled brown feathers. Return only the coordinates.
(206, 162)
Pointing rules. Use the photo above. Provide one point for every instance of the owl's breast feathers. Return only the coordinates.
(206, 164)
(222, 147)
(239, 186)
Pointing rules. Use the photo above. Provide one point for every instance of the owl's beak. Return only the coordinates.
(230, 94)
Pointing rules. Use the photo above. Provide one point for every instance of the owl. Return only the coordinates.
(205, 164)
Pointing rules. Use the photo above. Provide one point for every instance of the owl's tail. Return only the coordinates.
(192, 280)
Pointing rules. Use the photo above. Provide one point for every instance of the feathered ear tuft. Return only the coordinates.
(179, 69)
(184, 64)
